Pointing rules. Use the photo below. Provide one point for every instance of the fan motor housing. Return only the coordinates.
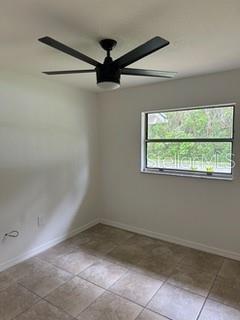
(108, 73)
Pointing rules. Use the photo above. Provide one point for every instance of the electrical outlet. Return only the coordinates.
(40, 221)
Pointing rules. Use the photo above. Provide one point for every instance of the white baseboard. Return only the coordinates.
(169, 238)
(161, 236)
(33, 252)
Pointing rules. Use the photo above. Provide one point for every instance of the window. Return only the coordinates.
(193, 141)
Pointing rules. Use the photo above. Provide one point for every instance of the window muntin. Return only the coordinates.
(196, 140)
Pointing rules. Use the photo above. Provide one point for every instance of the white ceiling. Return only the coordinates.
(203, 35)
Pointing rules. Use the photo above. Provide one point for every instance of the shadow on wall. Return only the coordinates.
(44, 168)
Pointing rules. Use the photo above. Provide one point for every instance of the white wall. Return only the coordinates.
(48, 162)
(204, 213)
(49, 165)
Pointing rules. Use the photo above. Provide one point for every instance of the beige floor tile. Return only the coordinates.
(98, 247)
(76, 261)
(99, 228)
(91, 232)
(80, 239)
(215, 311)
(144, 242)
(52, 254)
(131, 266)
(227, 292)
(230, 270)
(149, 315)
(25, 268)
(176, 303)
(114, 235)
(44, 311)
(14, 300)
(196, 281)
(6, 280)
(155, 247)
(74, 296)
(44, 279)
(136, 287)
(103, 273)
(126, 255)
(118, 236)
(157, 267)
(170, 250)
(203, 261)
(111, 307)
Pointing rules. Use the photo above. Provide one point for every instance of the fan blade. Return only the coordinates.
(72, 52)
(142, 51)
(148, 73)
(68, 71)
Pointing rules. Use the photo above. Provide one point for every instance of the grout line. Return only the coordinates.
(44, 299)
(63, 269)
(64, 311)
(124, 298)
(98, 285)
(50, 302)
(26, 310)
(215, 300)
(108, 290)
(214, 281)
(58, 267)
(158, 314)
(139, 314)
(115, 293)
(74, 275)
(92, 303)
(225, 304)
(184, 289)
(122, 276)
(105, 291)
(165, 282)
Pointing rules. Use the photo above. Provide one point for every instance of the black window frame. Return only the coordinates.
(185, 172)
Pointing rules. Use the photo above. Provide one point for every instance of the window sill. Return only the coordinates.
(190, 175)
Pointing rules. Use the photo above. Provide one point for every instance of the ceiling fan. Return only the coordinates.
(109, 72)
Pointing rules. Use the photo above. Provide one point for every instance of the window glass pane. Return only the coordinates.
(195, 156)
(196, 123)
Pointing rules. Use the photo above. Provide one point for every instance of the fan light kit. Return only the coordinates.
(109, 72)
(108, 85)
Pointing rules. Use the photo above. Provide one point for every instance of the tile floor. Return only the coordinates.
(106, 273)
